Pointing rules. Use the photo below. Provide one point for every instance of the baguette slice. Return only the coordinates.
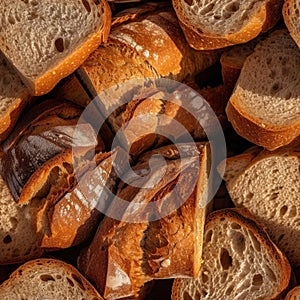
(269, 187)
(47, 279)
(290, 13)
(265, 105)
(294, 294)
(14, 97)
(216, 24)
(132, 251)
(47, 40)
(239, 262)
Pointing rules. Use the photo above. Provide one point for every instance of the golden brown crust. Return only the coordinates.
(260, 134)
(47, 81)
(263, 20)
(293, 294)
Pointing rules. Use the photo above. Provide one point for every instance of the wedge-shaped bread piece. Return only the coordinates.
(294, 294)
(47, 279)
(13, 97)
(239, 262)
(19, 238)
(47, 40)
(265, 105)
(290, 13)
(146, 41)
(216, 24)
(269, 187)
(126, 254)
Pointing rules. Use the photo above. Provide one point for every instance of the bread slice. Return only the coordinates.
(294, 294)
(290, 13)
(269, 188)
(265, 105)
(20, 240)
(213, 24)
(13, 98)
(47, 279)
(133, 251)
(239, 262)
(48, 40)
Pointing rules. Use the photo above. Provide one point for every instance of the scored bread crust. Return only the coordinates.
(245, 219)
(259, 133)
(199, 39)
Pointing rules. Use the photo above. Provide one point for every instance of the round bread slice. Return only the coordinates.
(239, 262)
(47, 279)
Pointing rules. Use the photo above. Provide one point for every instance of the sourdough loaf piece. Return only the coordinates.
(269, 187)
(126, 254)
(265, 105)
(239, 262)
(47, 279)
(290, 13)
(13, 97)
(20, 240)
(294, 294)
(214, 24)
(47, 40)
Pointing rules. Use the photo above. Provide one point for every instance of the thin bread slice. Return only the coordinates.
(265, 105)
(134, 251)
(47, 279)
(294, 294)
(216, 24)
(239, 262)
(269, 188)
(48, 40)
(14, 97)
(290, 13)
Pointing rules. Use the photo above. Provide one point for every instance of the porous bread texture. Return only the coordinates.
(294, 294)
(19, 239)
(269, 188)
(239, 262)
(13, 97)
(47, 279)
(47, 40)
(290, 13)
(265, 105)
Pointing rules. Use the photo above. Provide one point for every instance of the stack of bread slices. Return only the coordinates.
(150, 150)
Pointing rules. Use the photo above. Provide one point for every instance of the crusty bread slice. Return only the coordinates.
(239, 262)
(13, 98)
(290, 13)
(47, 40)
(131, 252)
(294, 294)
(269, 188)
(19, 238)
(47, 279)
(216, 24)
(265, 105)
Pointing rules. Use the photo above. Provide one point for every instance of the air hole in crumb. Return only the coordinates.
(59, 45)
(275, 87)
(7, 239)
(235, 226)
(257, 280)
(186, 296)
(225, 259)
(47, 277)
(238, 242)
(78, 280)
(229, 290)
(235, 6)
(188, 2)
(86, 5)
(68, 167)
(11, 20)
(204, 277)
(70, 282)
(208, 236)
(58, 277)
(283, 210)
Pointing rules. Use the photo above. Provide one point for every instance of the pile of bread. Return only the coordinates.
(68, 66)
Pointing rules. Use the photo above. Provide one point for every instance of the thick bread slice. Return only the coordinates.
(290, 13)
(216, 24)
(47, 40)
(239, 262)
(294, 294)
(269, 188)
(265, 105)
(47, 279)
(19, 238)
(131, 253)
(13, 98)
(144, 42)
